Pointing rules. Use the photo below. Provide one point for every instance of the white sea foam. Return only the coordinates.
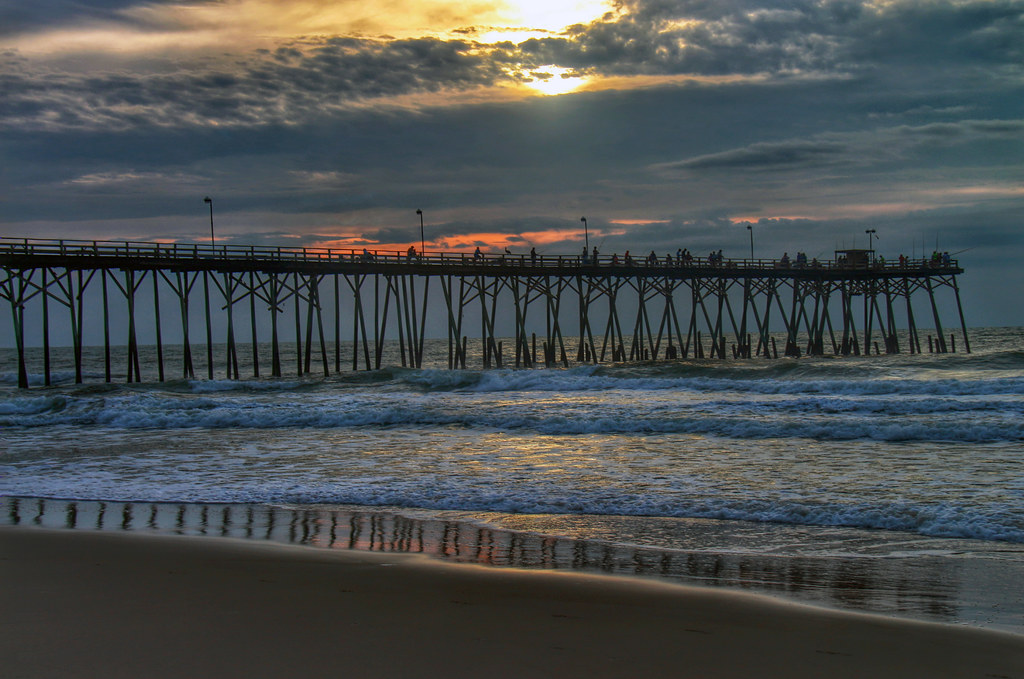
(940, 519)
(577, 381)
(211, 386)
(824, 418)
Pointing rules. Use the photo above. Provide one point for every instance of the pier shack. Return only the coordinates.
(555, 310)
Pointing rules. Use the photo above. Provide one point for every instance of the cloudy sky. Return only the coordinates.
(667, 123)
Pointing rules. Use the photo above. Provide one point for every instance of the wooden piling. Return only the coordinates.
(297, 307)
(46, 332)
(159, 337)
(209, 324)
(337, 324)
(252, 325)
(76, 305)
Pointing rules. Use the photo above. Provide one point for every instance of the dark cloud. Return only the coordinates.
(18, 17)
(268, 88)
(850, 150)
(830, 37)
(770, 156)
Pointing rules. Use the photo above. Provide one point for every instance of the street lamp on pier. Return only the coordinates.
(586, 234)
(871, 234)
(750, 229)
(420, 213)
(209, 201)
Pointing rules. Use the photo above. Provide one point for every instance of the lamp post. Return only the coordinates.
(871, 234)
(209, 201)
(750, 229)
(420, 213)
(586, 234)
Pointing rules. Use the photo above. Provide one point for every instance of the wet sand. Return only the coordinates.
(90, 604)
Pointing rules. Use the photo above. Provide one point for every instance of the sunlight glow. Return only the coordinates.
(552, 80)
(353, 237)
(555, 15)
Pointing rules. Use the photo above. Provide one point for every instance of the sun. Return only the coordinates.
(554, 80)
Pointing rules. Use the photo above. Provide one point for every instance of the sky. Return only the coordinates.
(666, 123)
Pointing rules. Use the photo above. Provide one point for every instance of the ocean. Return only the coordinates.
(890, 484)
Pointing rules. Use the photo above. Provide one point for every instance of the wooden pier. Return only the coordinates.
(557, 309)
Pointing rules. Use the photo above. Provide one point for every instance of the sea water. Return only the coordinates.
(889, 483)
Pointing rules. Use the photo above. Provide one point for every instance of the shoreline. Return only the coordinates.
(89, 603)
(972, 591)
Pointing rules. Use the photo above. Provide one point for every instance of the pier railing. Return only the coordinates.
(255, 254)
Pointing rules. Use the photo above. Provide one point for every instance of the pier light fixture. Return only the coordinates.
(871, 234)
(420, 213)
(586, 234)
(750, 230)
(209, 201)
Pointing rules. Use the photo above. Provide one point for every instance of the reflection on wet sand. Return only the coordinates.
(914, 587)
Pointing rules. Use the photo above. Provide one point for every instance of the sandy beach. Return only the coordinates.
(85, 604)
